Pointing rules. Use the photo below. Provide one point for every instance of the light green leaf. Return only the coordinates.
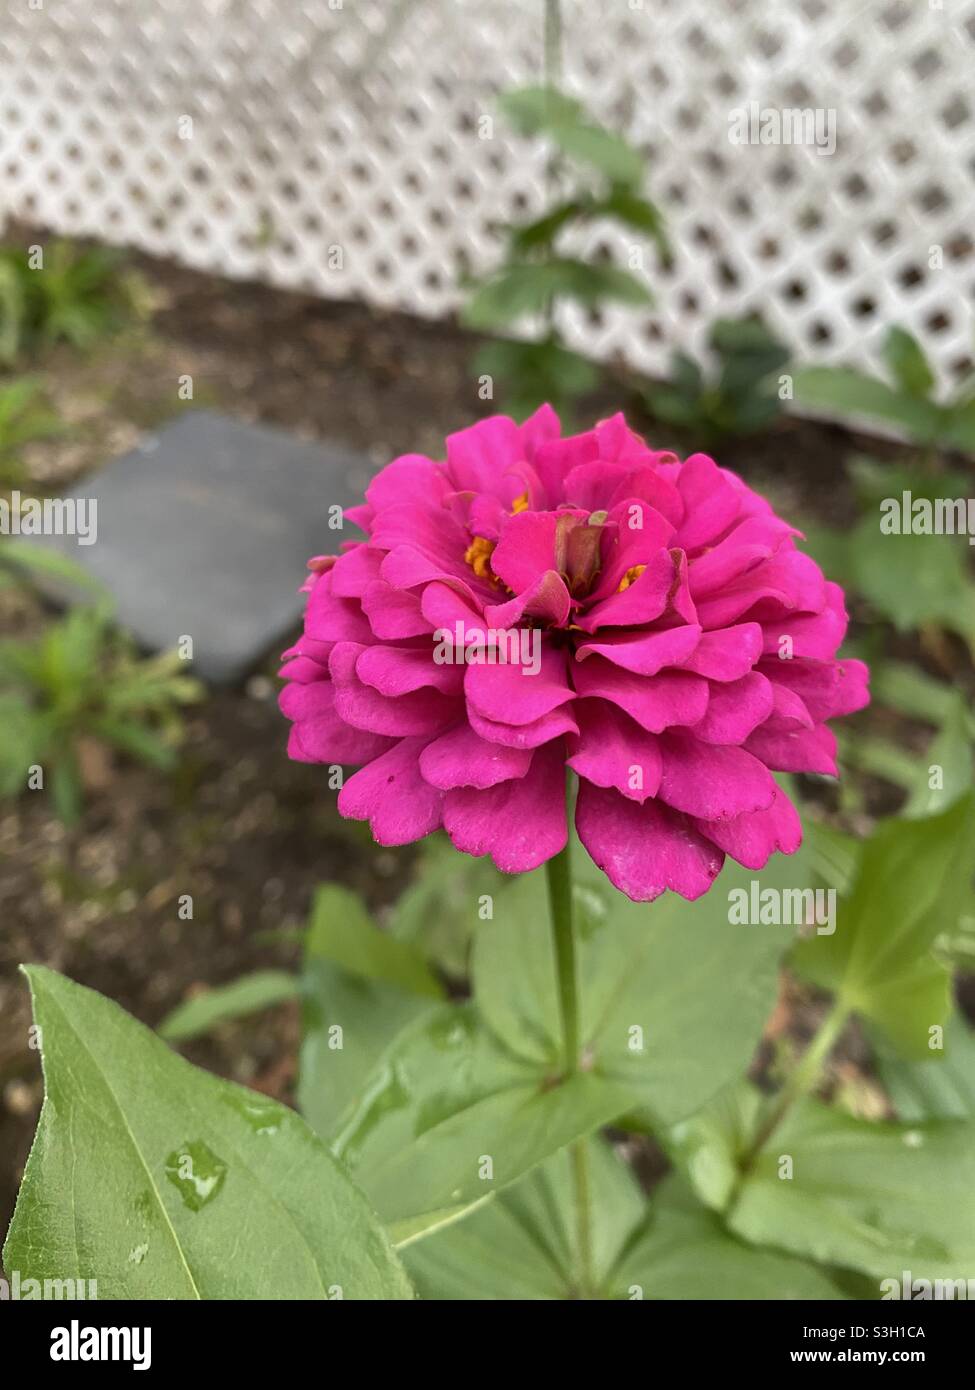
(546, 111)
(698, 988)
(450, 1115)
(683, 1252)
(438, 912)
(914, 579)
(533, 109)
(161, 1181)
(947, 763)
(347, 1023)
(911, 691)
(710, 1147)
(880, 1198)
(246, 995)
(360, 987)
(879, 960)
(45, 563)
(606, 152)
(847, 392)
(524, 1244)
(940, 1088)
(342, 932)
(834, 856)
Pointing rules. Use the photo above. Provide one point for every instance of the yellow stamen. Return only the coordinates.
(521, 504)
(630, 577)
(478, 556)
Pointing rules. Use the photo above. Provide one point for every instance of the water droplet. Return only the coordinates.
(387, 1094)
(138, 1254)
(263, 1116)
(592, 912)
(450, 1029)
(913, 1138)
(197, 1173)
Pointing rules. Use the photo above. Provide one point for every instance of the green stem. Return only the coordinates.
(579, 1157)
(559, 873)
(804, 1077)
(560, 904)
(553, 43)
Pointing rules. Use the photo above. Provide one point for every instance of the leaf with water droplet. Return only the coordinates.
(865, 1195)
(197, 1173)
(235, 1194)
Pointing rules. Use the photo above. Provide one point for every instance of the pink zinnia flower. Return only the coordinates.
(686, 648)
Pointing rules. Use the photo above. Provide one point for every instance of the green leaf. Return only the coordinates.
(879, 757)
(36, 560)
(649, 973)
(959, 427)
(846, 391)
(947, 763)
(683, 1252)
(543, 230)
(940, 1088)
(907, 363)
(880, 1198)
(910, 691)
(66, 789)
(439, 912)
(535, 373)
(247, 995)
(546, 111)
(450, 1115)
(534, 109)
(834, 855)
(360, 988)
(161, 1181)
(914, 579)
(517, 290)
(638, 213)
(341, 931)
(879, 960)
(140, 742)
(709, 1148)
(608, 153)
(524, 1243)
(347, 1023)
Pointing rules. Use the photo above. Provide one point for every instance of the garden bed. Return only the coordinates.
(244, 830)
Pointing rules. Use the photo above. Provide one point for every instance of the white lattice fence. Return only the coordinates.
(355, 124)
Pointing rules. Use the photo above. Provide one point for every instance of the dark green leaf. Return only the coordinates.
(907, 363)
(160, 1181)
(879, 960)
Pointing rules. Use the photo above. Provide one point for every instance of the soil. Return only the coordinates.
(238, 826)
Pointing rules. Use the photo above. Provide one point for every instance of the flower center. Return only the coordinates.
(478, 556)
(630, 577)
